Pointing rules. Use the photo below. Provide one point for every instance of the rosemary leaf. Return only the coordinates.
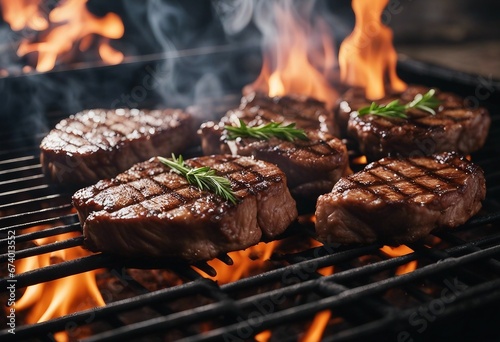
(426, 102)
(265, 132)
(202, 177)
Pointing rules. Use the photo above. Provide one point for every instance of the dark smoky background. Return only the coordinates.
(189, 52)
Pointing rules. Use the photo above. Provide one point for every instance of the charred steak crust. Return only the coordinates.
(99, 143)
(455, 127)
(150, 211)
(307, 113)
(400, 200)
(312, 166)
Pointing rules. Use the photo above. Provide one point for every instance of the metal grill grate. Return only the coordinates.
(449, 295)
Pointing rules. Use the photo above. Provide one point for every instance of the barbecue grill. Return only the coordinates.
(453, 293)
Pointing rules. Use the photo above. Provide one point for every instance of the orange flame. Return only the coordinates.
(367, 56)
(287, 67)
(23, 13)
(244, 262)
(45, 301)
(321, 319)
(68, 24)
(398, 251)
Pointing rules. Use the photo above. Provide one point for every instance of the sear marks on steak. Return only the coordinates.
(400, 200)
(100, 143)
(454, 128)
(307, 113)
(312, 166)
(151, 211)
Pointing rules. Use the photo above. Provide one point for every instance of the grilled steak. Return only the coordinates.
(307, 113)
(455, 127)
(152, 211)
(97, 144)
(312, 166)
(400, 200)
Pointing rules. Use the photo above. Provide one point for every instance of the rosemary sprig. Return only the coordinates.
(264, 132)
(426, 102)
(202, 177)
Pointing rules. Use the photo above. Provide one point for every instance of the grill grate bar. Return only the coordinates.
(33, 215)
(29, 157)
(75, 227)
(51, 247)
(112, 309)
(26, 190)
(50, 220)
(37, 200)
(22, 180)
(327, 285)
(397, 323)
(21, 169)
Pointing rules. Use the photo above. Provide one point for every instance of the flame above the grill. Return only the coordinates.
(45, 301)
(65, 27)
(367, 57)
(287, 63)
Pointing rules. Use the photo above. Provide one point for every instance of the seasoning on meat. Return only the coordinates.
(455, 127)
(152, 211)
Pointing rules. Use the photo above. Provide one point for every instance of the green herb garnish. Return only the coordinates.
(264, 132)
(202, 177)
(426, 102)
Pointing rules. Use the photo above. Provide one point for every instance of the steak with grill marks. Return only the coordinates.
(455, 127)
(400, 200)
(99, 143)
(307, 113)
(152, 211)
(312, 166)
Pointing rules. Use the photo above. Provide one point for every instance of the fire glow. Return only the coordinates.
(287, 67)
(399, 251)
(45, 301)
(62, 30)
(245, 262)
(367, 57)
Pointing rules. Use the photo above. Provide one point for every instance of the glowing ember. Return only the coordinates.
(263, 336)
(68, 24)
(367, 57)
(287, 66)
(45, 301)
(399, 251)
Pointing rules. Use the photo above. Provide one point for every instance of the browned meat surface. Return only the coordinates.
(455, 127)
(150, 211)
(97, 144)
(396, 201)
(307, 113)
(312, 166)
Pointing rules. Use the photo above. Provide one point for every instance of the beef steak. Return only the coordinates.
(400, 200)
(152, 211)
(455, 127)
(312, 166)
(99, 143)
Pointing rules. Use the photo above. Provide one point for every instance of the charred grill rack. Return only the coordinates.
(450, 295)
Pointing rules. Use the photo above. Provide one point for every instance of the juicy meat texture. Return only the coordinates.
(400, 200)
(312, 166)
(455, 127)
(307, 113)
(100, 143)
(151, 211)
